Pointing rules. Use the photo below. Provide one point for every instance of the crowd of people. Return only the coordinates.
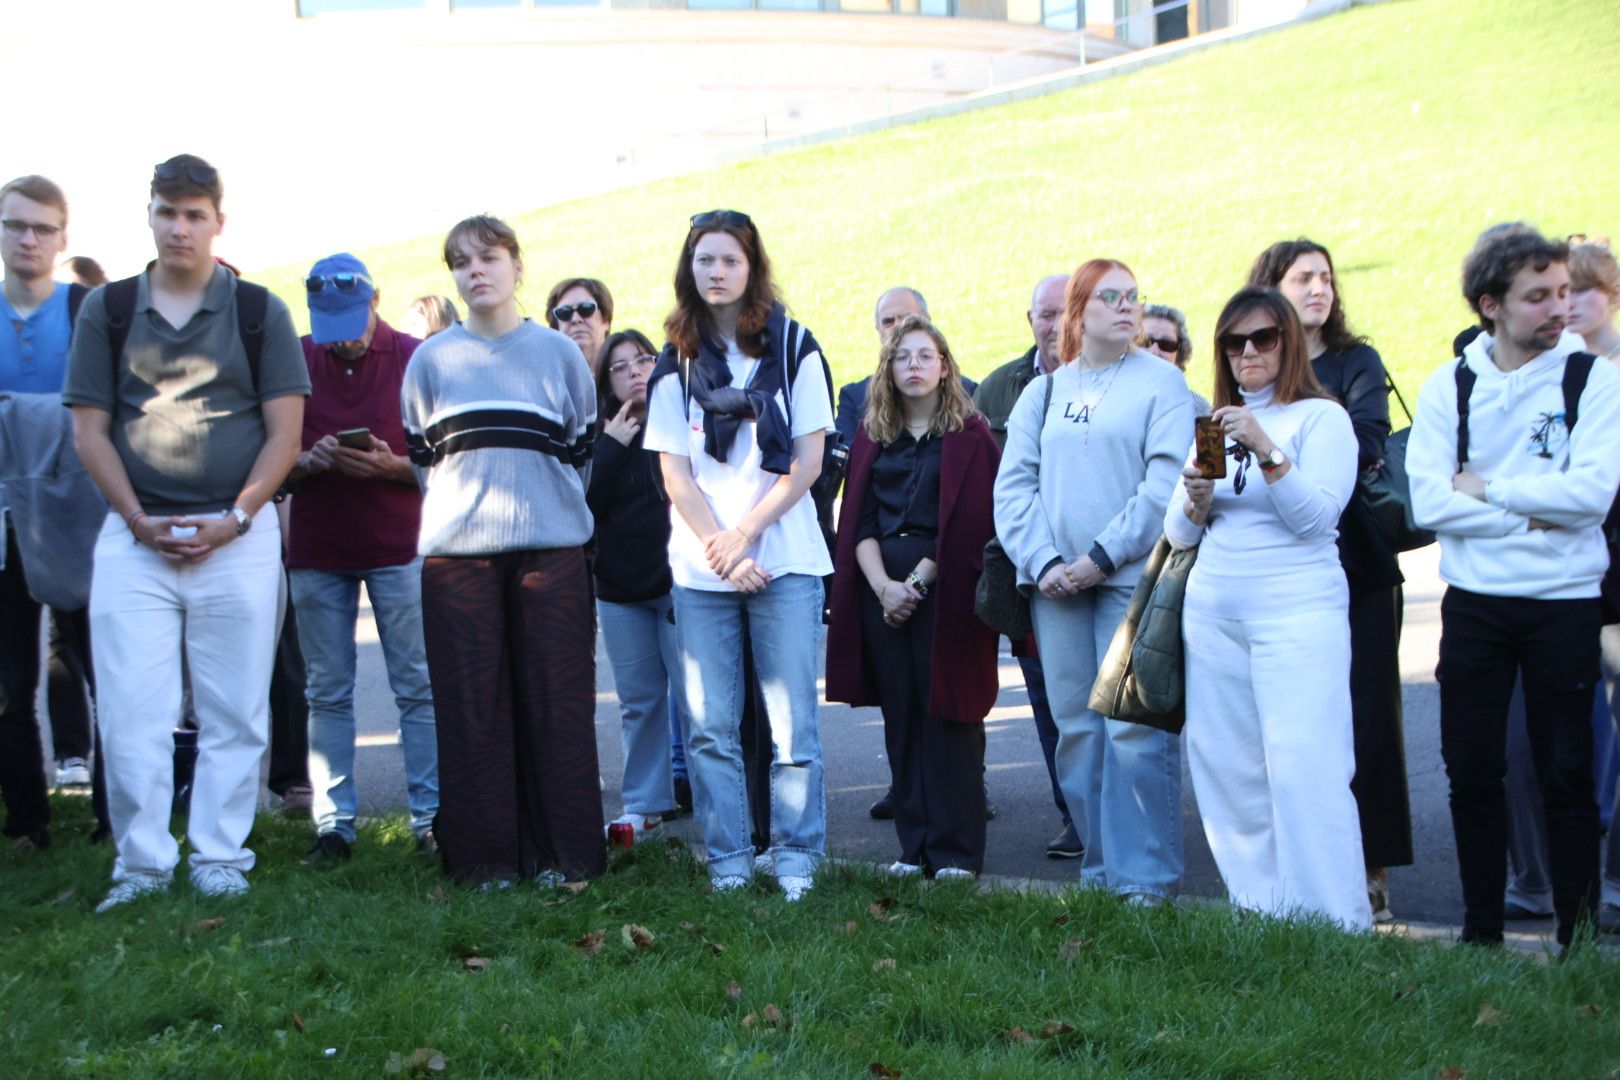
(503, 488)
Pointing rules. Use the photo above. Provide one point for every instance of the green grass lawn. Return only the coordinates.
(333, 973)
(1393, 134)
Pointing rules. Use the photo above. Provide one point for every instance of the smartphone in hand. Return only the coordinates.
(1211, 443)
(355, 438)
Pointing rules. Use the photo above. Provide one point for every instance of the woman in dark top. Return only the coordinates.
(633, 580)
(917, 514)
(1352, 371)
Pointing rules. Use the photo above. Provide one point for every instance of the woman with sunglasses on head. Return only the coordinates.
(633, 581)
(1266, 627)
(1352, 373)
(500, 415)
(921, 474)
(581, 308)
(740, 406)
(1079, 500)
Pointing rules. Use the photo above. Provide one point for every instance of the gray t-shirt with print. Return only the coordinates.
(185, 415)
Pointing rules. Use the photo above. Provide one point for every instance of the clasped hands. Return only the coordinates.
(208, 535)
(727, 552)
(1069, 579)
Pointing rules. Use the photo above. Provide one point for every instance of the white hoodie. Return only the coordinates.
(1533, 468)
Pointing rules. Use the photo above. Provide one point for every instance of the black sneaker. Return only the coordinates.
(1066, 845)
(883, 809)
(683, 794)
(329, 848)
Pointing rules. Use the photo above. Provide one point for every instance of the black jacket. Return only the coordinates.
(1357, 380)
(626, 498)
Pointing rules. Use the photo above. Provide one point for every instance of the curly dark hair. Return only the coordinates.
(1498, 256)
(1272, 266)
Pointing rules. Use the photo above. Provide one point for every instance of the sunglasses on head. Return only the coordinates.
(1264, 340)
(734, 218)
(169, 171)
(343, 282)
(563, 312)
(1163, 344)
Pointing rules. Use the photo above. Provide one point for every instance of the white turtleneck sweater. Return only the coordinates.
(1271, 550)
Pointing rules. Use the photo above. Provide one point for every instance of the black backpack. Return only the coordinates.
(252, 303)
(1577, 369)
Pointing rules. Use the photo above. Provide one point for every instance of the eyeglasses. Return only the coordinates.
(1114, 298)
(735, 218)
(170, 171)
(17, 229)
(342, 282)
(1264, 340)
(564, 312)
(1169, 345)
(924, 358)
(619, 367)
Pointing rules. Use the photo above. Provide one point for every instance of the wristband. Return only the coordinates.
(132, 518)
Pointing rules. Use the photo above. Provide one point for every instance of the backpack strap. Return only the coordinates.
(76, 295)
(120, 300)
(252, 305)
(1577, 369)
(1465, 387)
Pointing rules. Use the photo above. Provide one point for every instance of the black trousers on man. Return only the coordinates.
(1486, 642)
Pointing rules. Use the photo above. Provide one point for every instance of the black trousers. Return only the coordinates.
(754, 732)
(1375, 708)
(1486, 642)
(937, 765)
(289, 709)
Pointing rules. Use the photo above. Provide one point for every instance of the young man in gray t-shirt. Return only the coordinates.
(188, 440)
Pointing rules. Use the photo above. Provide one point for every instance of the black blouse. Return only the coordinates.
(903, 495)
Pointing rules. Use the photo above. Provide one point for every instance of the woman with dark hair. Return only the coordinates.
(500, 413)
(1082, 490)
(1352, 373)
(1266, 627)
(740, 404)
(429, 315)
(637, 616)
(582, 308)
(921, 475)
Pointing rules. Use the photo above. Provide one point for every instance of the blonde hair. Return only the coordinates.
(883, 420)
(1592, 266)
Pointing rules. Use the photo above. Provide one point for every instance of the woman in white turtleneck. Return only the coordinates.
(1266, 628)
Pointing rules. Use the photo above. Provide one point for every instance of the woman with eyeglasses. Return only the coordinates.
(633, 581)
(1079, 500)
(1352, 373)
(903, 636)
(499, 413)
(582, 308)
(740, 404)
(1266, 628)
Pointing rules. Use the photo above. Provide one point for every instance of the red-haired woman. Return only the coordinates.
(1079, 502)
(739, 406)
(1266, 626)
(917, 516)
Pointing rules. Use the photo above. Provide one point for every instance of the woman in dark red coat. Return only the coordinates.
(917, 514)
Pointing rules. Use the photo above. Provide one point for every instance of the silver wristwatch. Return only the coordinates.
(244, 521)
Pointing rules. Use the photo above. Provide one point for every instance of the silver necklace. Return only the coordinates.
(1095, 375)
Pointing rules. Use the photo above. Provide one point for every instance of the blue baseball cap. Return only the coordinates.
(339, 289)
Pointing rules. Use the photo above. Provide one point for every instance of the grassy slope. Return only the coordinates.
(1393, 134)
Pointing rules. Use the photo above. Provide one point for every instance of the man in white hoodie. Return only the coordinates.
(1517, 488)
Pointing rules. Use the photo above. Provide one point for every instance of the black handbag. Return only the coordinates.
(997, 600)
(1387, 493)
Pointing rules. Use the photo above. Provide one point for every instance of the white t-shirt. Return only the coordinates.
(793, 545)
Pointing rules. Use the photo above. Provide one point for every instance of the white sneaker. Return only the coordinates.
(902, 869)
(550, 879)
(765, 863)
(216, 879)
(132, 888)
(954, 873)
(794, 888)
(729, 883)
(73, 772)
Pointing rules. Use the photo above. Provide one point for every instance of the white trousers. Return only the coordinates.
(143, 610)
(1271, 752)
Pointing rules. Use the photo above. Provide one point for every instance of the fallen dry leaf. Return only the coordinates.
(882, 1071)
(298, 1021)
(849, 927)
(271, 943)
(1061, 920)
(475, 963)
(1451, 1072)
(202, 925)
(692, 928)
(886, 963)
(733, 991)
(879, 909)
(637, 937)
(772, 1014)
(1017, 1035)
(1070, 950)
(591, 943)
(714, 947)
(64, 896)
(1053, 1028)
(438, 895)
(1490, 1014)
(1589, 1012)
(750, 1020)
(505, 1028)
(422, 1060)
(575, 887)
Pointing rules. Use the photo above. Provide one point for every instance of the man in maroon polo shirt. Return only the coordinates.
(355, 518)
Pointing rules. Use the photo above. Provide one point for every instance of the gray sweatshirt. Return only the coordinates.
(1062, 493)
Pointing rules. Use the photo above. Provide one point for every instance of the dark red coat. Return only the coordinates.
(965, 683)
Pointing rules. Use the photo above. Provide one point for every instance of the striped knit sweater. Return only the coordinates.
(503, 429)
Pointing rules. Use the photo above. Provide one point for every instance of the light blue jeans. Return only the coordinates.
(1122, 781)
(784, 624)
(328, 605)
(643, 644)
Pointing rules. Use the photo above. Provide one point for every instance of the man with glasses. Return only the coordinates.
(355, 519)
(996, 398)
(892, 306)
(38, 313)
(187, 416)
(581, 308)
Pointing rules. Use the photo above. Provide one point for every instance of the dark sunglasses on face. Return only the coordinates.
(197, 174)
(619, 367)
(1169, 345)
(1264, 340)
(564, 312)
(734, 218)
(344, 283)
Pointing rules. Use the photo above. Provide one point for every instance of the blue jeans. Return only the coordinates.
(328, 604)
(784, 625)
(643, 644)
(1122, 781)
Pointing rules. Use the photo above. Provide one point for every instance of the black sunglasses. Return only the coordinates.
(170, 171)
(734, 218)
(1168, 345)
(563, 312)
(1264, 340)
(343, 282)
